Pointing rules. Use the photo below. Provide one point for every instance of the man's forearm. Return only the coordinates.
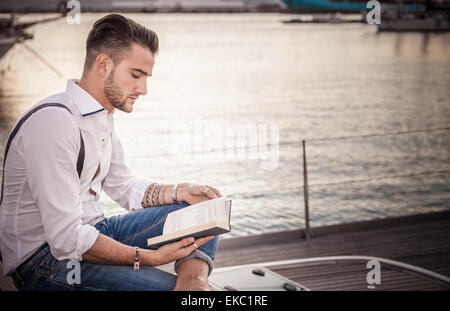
(108, 251)
(157, 194)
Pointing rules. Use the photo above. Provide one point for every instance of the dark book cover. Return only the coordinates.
(207, 232)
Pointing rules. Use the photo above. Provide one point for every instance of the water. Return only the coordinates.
(215, 71)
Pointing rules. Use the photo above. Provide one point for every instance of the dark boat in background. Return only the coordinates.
(344, 6)
(396, 15)
(12, 31)
(10, 34)
(435, 17)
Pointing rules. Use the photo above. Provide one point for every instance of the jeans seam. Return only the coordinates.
(54, 268)
(143, 231)
(45, 260)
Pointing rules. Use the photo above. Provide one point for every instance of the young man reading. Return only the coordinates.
(50, 213)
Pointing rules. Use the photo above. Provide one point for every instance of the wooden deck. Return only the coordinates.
(420, 240)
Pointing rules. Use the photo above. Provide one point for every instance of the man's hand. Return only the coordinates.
(157, 194)
(177, 250)
(105, 250)
(195, 193)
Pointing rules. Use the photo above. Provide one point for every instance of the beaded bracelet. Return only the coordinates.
(136, 259)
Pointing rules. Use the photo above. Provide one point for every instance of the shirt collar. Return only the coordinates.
(85, 103)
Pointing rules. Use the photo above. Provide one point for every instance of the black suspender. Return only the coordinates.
(80, 160)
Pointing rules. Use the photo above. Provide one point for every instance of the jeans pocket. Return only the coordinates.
(27, 279)
(48, 265)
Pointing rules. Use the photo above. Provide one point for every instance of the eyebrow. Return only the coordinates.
(141, 71)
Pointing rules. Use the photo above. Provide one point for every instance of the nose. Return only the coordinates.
(142, 87)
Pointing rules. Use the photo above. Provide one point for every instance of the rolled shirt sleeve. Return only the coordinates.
(120, 184)
(51, 147)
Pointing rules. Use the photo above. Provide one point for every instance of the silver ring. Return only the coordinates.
(195, 245)
(206, 191)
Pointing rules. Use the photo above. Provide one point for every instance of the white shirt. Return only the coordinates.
(44, 199)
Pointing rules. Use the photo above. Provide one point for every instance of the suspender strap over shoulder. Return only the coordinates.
(80, 160)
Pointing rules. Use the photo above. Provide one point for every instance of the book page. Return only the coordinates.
(194, 215)
(228, 210)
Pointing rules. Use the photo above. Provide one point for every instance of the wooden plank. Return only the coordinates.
(355, 227)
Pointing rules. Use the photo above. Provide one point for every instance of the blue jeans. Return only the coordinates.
(43, 272)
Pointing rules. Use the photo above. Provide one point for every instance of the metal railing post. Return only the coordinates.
(308, 233)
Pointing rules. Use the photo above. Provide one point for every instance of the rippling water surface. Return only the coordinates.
(327, 84)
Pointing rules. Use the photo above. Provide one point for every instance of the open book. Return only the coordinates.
(211, 217)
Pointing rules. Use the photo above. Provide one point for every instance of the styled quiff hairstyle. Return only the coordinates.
(113, 35)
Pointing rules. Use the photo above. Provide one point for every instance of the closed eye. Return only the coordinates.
(135, 76)
(141, 72)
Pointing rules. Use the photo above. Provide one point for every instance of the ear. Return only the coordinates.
(103, 65)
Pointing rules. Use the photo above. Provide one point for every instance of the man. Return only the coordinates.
(50, 214)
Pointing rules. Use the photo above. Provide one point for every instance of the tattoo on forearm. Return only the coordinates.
(154, 195)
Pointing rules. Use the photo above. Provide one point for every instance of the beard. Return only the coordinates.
(115, 96)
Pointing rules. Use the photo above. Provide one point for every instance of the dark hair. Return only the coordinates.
(113, 35)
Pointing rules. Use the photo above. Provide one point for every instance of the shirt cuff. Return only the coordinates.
(88, 236)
